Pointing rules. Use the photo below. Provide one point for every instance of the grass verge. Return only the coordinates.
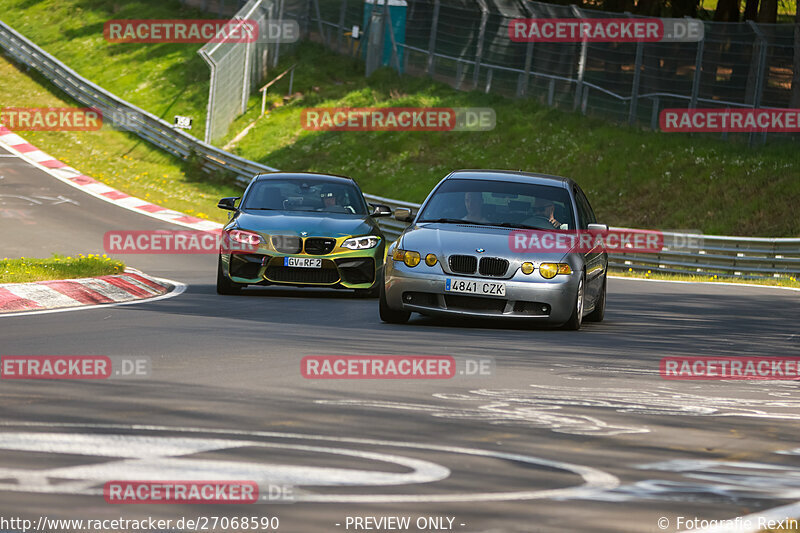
(773, 282)
(26, 269)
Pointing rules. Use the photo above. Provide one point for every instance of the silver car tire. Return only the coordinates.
(387, 314)
(599, 312)
(576, 319)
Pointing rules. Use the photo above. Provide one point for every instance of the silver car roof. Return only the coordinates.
(511, 175)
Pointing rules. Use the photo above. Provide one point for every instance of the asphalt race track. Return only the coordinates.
(573, 432)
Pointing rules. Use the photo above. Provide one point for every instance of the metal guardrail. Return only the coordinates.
(725, 256)
(741, 257)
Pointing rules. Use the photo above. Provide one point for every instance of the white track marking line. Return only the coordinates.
(167, 459)
(593, 478)
(12, 139)
(68, 172)
(38, 156)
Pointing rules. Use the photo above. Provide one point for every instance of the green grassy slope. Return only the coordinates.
(166, 79)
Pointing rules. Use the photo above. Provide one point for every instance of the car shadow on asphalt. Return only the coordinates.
(667, 318)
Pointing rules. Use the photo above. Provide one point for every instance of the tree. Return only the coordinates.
(751, 10)
(650, 8)
(768, 13)
(727, 11)
(683, 8)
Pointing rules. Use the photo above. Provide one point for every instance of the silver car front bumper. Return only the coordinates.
(421, 289)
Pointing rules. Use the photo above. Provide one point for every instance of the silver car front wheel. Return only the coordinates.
(575, 321)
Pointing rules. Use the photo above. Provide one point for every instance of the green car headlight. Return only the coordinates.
(361, 243)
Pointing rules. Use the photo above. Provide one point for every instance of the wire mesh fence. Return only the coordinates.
(237, 67)
(466, 44)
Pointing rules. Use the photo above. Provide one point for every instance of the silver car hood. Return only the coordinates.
(449, 239)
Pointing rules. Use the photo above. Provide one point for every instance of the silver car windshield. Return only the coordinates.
(500, 203)
(305, 195)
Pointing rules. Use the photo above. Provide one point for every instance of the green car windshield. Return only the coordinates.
(289, 194)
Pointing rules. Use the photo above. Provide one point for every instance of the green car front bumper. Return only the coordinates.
(341, 268)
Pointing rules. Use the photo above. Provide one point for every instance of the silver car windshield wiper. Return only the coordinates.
(450, 221)
(476, 223)
(519, 226)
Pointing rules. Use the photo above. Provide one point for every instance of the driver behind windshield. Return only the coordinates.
(473, 202)
(332, 200)
(545, 209)
(329, 199)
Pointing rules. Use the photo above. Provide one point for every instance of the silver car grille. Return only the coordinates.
(493, 266)
(468, 264)
(462, 264)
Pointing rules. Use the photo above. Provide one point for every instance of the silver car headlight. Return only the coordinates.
(361, 243)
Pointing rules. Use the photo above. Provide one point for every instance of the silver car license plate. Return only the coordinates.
(302, 262)
(472, 286)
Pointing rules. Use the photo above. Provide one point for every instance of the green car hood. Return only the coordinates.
(316, 224)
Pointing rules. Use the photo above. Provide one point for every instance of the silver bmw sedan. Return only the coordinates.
(498, 244)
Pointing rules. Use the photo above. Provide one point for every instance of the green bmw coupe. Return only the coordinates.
(302, 229)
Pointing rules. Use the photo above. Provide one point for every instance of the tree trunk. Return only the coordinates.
(727, 11)
(683, 8)
(795, 101)
(617, 6)
(751, 10)
(651, 8)
(768, 13)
